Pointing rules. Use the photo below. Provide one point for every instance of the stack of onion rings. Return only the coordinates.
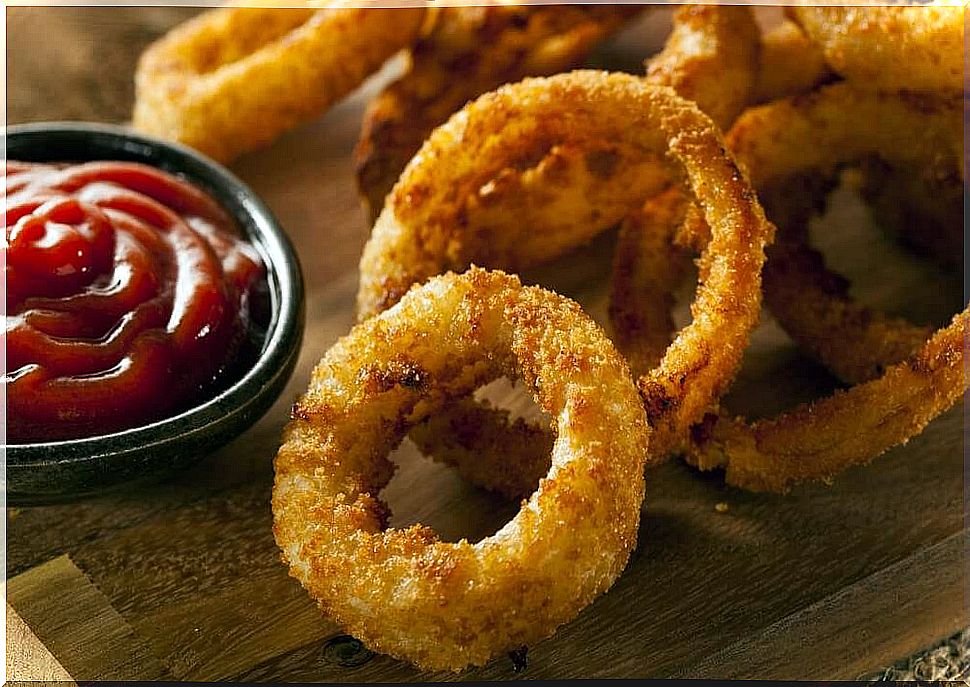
(813, 315)
(714, 56)
(567, 157)
(810, 302)
(530, 171)
(447, 605)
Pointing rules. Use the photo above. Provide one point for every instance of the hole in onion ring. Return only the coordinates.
(466, 511)
(435, 495)
(881, 280)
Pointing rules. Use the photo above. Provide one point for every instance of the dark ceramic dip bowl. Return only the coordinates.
(40, 473)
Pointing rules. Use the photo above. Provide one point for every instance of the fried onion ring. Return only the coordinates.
(712, 55)
(597, 145)
(467, 52)
(832, 127)
(402, 591)
(232, 79)
(890, 48)
(715, 56)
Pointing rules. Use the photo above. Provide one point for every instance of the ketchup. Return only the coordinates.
(130, 296)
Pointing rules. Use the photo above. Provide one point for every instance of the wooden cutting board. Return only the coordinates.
(182, 580)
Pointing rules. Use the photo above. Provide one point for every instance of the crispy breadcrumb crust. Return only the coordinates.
(403, 592)
(712, 58)
(789, 64)
(537, 167)
(890, 48)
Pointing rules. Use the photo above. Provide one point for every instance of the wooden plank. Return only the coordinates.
(908, 604)
(78, 626)
(82, 69)
(27, 659)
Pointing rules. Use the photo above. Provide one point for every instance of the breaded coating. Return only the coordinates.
(403, 592)
(538, 167)
(789, 63)
(712, 58)
(917, 48)
(233, 79)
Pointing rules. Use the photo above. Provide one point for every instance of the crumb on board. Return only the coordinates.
(721, 507)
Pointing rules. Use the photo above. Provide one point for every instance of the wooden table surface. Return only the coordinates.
(183, 580)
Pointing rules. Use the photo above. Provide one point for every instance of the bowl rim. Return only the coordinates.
(284, 333)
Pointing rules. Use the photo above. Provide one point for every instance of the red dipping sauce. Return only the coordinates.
(130, 297)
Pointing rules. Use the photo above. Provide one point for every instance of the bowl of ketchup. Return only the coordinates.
(154, 309)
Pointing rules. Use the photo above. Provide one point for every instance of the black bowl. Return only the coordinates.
(65, 470)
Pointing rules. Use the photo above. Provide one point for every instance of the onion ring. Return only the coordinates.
(834, 126)
(403, 592)
(712, 55)
(890, 48)
(715, 56)
(463, 196)
(469, 51)
(232, 79)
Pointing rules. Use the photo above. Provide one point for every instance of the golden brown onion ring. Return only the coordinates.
(836, 126)
(596, 145)
(469, 51)
(818, 440)
(232, 79)
(715, 56)
(890, 48)
(712, 56)
(404, 592)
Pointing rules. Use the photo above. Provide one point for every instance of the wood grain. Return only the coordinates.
(920, 611)
(27, 659)
(78, 625)
(183, 579)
